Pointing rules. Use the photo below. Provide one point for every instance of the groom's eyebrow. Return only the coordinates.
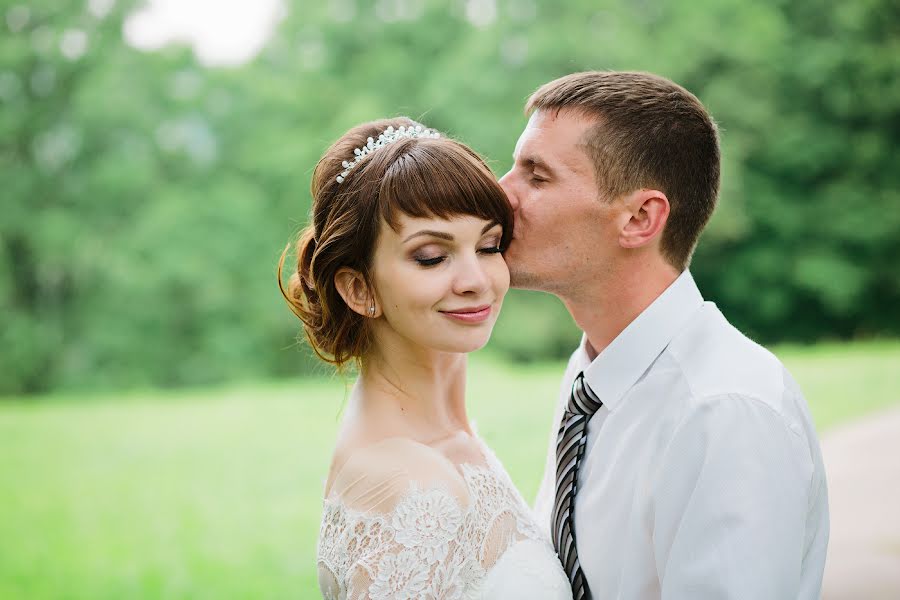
(534, 163)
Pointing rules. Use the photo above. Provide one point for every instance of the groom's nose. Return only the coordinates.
(505, 183)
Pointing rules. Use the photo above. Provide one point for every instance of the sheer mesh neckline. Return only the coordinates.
(436, 538)
(487, 462)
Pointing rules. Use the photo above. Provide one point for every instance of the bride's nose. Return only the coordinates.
(471, 277)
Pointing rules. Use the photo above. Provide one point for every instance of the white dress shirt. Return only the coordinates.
(702, 476)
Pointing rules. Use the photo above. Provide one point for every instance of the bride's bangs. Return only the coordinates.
(444, 179)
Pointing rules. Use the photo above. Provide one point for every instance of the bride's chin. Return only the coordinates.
(464, 346)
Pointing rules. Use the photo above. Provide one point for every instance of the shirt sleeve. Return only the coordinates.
(730, 503)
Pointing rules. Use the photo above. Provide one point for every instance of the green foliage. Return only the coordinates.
(147, 199)
(821, 183)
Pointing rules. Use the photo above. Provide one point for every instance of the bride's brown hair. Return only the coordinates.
(419, 177)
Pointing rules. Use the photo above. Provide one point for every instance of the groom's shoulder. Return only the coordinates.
(718, 360)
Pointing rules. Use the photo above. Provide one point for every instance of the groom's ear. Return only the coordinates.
(647, 212)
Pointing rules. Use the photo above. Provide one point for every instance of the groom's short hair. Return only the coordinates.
(649, 133)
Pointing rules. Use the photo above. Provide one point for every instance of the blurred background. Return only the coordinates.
(163, 433)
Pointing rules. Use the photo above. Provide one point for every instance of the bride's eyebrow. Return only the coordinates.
(444, 235)
(438, 234)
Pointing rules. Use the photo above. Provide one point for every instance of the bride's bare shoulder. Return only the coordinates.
(374, 474)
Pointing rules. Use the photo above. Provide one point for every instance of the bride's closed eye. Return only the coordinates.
(425, 259)
(492, 246)
(429, 262)
(429, 255)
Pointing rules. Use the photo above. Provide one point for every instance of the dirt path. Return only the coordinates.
(862, 463)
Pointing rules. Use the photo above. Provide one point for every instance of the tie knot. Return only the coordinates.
(583, 401)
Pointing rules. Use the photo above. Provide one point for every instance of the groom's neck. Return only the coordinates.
(606, 304)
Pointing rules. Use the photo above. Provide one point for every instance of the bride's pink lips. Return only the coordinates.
(476, 314)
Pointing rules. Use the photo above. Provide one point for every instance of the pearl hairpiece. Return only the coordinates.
(389, 136)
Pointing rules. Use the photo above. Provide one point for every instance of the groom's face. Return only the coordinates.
(563, 231)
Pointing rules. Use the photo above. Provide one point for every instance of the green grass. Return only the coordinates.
(842, 381)
(216, 493)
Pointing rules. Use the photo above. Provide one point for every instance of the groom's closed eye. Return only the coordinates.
(538, 176)
(538, 168)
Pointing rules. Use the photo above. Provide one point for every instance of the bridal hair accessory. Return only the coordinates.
(389, 136)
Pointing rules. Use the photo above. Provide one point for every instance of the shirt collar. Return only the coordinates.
(615, 370)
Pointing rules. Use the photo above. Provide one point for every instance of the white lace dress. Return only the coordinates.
(403, 521)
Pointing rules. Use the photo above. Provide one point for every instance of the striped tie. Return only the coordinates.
(570, 442)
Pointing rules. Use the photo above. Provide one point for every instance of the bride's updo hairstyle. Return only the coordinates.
(421, 177)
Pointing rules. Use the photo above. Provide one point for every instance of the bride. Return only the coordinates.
(401, 272)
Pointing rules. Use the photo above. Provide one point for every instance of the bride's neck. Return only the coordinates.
(413, 387)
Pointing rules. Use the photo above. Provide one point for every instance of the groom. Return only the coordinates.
(684, 463)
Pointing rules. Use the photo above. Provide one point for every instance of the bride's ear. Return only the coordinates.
(352, 287)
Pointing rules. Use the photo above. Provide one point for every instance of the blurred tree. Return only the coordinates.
(821, 182)
(146, 198)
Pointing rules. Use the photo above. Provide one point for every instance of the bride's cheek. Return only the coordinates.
(501, 277)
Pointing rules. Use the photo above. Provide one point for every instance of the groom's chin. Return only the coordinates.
(522, 277)
(519, 277)
(525, 281)
(518, 271)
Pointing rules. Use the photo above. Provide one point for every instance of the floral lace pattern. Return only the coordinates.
(429, 546)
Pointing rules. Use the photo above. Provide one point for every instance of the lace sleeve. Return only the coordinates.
(394, 526)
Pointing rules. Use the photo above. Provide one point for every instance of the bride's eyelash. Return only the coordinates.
(494, 248)
(430, 262)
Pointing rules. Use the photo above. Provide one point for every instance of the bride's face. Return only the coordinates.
(440, 282)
